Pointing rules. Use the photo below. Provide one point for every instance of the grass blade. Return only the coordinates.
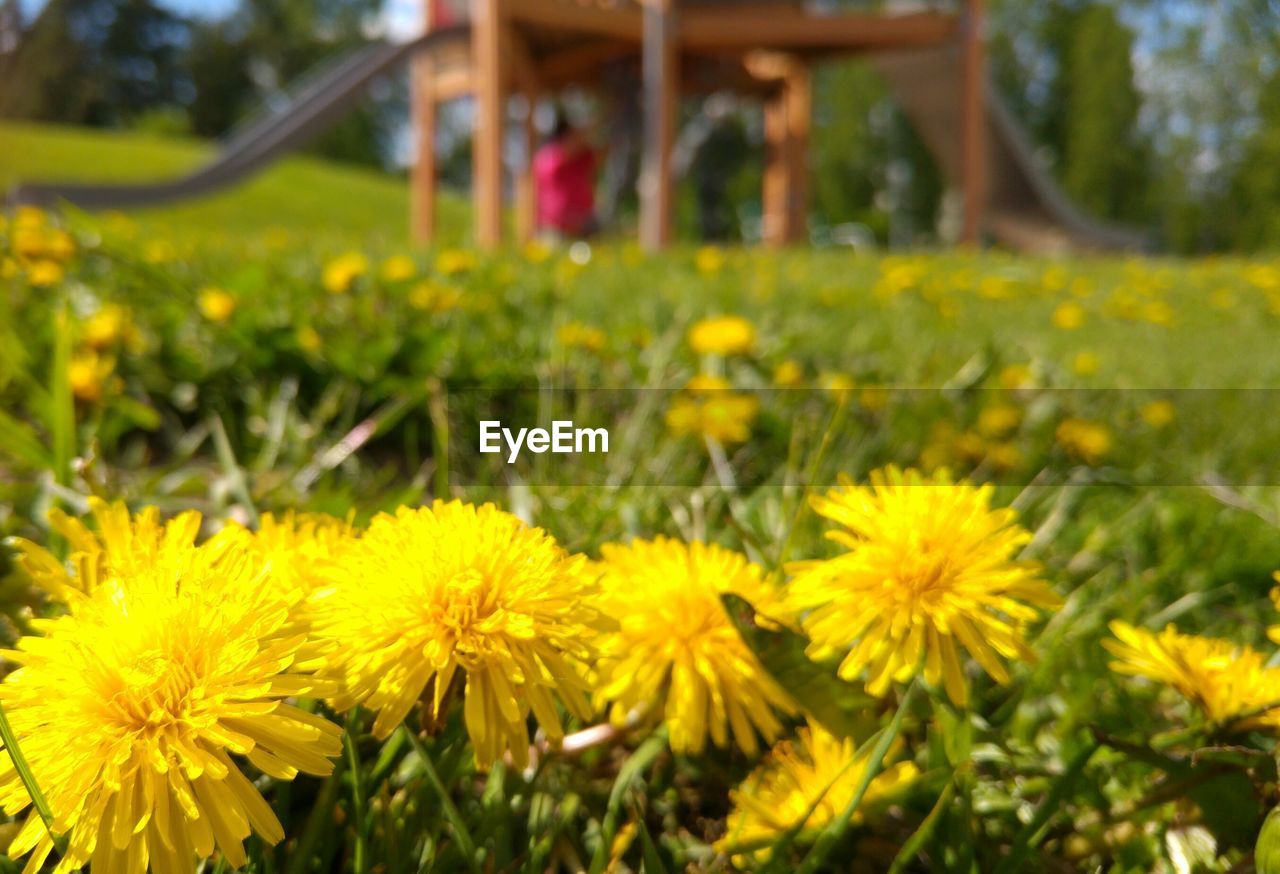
(466, 845)
(24, 772)
(630, 771)
(62, 414)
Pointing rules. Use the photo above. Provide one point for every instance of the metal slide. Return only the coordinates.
(288, 122)
(1027, 209)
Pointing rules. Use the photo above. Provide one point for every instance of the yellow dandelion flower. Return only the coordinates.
(89, 374)
(930, 565)
(722, 335)
(1222, 679)
(536, 251)
(1085, 363)
(788, 374)
(216, 304)
(108, 325)
(44, 273)
(1158, 414)
(706, 383)
(294, 547)
(130, 708)
(434, 592)
(59, 245)
(309, 339)
(123, 546)
(838, 385)
(1273, 632)
(1084, 440)
(708, 260)
(1015, 376)
(451, 262)
(1068, 316)
(340, 273)
(433, 298)
(676, 652)
(397, 268)
(27, 216)
(816, 772)
(723, 416)
(999, 420)
(576, 335)
(1004, 456)
(1157, 312)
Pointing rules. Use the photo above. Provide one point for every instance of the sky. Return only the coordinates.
(400, 18)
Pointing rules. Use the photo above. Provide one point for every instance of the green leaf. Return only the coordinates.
(635, 765)
(652, 861)
(1266, 854)
(843, 708)
(62, 413)
(20, 441)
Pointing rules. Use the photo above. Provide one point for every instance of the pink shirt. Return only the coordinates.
(565, 183)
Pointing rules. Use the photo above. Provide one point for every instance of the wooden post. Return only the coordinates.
(661, 103)
(526, 193)
(973, 81)
(422, 189)
(774, 212)
(787, 118)
(799, 108)
(489, 58)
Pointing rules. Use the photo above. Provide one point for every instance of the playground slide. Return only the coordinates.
(287, 122)
(1027, 209)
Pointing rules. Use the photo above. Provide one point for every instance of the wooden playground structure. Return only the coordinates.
(764, 49)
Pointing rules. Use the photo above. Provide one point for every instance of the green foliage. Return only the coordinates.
(97, 62)
(1104, 161)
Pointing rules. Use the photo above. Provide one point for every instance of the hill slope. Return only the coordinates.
(305, 195)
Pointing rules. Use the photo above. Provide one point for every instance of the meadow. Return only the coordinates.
(278, 361)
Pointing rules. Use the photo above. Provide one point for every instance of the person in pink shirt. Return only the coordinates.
(564, 177)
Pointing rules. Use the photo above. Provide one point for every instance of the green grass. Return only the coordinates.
(304, 195)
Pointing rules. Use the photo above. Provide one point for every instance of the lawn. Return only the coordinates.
(281, 348)
(302, 196)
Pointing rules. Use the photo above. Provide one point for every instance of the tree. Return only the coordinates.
(96, 62)
(1254, 208)
(1104, 158)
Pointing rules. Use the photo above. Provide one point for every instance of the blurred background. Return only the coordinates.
(1162, 114)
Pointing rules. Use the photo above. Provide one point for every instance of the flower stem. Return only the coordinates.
(357, 790)
(24, 773)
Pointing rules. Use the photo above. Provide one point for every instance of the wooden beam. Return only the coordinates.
(422, 200)
(452, 84)
(660, 67)
(490, 56)
(973, 145)
(525, 77)
(624, 21)
(771, 26)
(583, 61)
